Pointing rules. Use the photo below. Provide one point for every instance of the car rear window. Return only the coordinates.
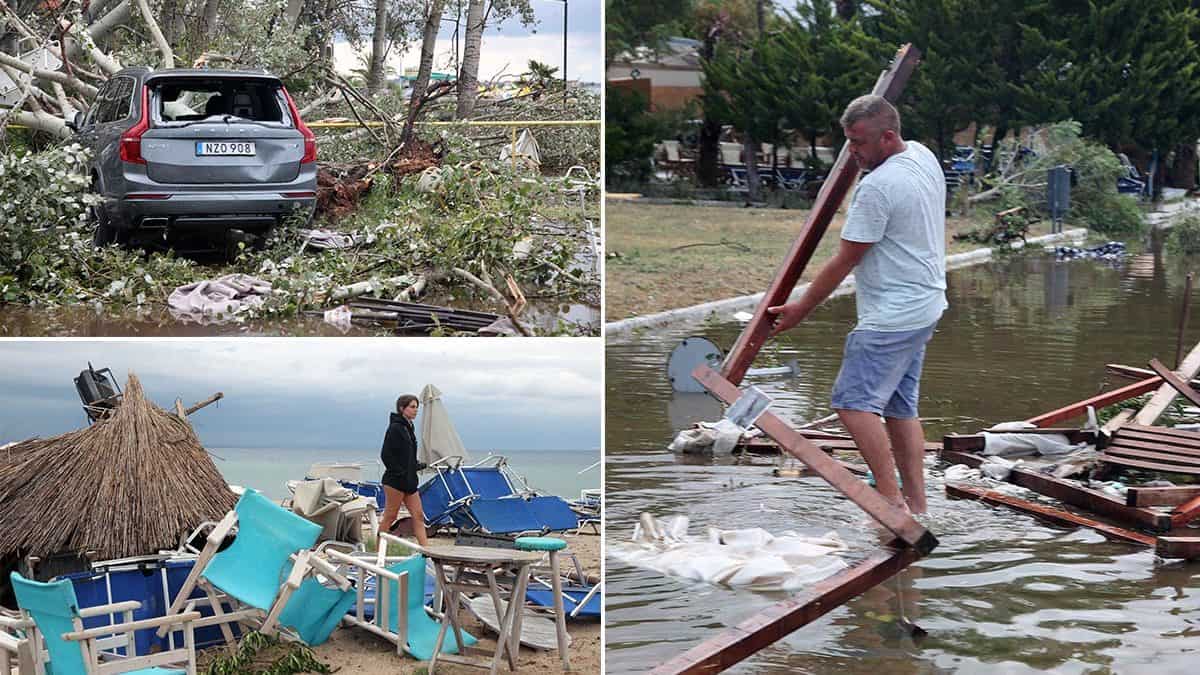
(195, 100)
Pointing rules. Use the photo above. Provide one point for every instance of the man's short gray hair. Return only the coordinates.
(877, 109)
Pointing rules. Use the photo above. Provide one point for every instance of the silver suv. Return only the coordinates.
(195, 157)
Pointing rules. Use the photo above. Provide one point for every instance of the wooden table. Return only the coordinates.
(458, 570)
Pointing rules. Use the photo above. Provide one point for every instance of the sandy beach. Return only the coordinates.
(351, 650)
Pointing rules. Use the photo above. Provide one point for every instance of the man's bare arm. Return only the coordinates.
(831, 275)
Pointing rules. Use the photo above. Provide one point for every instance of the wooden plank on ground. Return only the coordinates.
(1161, 496)
(890, 84)
(955, 456)
(1186, 513)
(963, 442)
(1175, 381)
(1146, 464)
(1072, 493)
(1166, 393)
(1132, 373)
(779, 620)
(1119, 420)
(1185, 436)
(1098, 401)
(1172, 444)
(867, 498)
(1151, 452)
(1050, 513)
(1178, 547)
(1088, 499)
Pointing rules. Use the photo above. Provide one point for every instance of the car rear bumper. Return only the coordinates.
(146, 203)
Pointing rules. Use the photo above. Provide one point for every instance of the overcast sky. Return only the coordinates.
(295, 393)
(508, 46)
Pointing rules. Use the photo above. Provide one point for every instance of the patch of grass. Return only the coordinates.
(667, 256)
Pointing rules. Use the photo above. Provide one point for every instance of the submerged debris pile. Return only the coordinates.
(1113, 250)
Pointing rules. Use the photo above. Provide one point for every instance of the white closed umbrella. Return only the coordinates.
(439, 439)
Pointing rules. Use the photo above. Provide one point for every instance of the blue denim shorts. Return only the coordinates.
(881, 372)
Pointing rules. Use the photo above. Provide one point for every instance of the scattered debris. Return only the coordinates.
(751, 558)
(325, 239)
(415, 317)
(341, 186)
(1113, 250)
(1121, 485)
(217, 299)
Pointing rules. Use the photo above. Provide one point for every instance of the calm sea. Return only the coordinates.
(268, 470)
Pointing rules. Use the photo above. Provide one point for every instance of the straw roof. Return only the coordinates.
(131, 484)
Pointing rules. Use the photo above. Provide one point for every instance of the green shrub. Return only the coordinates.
(1095, 203)
(1112, 214)
(1185, 236)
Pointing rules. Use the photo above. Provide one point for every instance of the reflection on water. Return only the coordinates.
(1003, 592)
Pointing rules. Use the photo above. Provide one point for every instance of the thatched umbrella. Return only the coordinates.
(130, 484)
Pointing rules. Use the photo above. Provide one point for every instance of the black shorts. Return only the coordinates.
(400, 480)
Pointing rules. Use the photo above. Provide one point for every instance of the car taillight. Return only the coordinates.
(131, 140)
(310, 139)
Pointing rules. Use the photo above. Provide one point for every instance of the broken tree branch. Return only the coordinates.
(350, 104)
(155, 32)
(322, 100)
(85, 40)
(49, 75)
(206, 402)
(335, 79)
(486, 287)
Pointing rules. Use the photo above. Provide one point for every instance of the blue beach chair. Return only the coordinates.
(267, 562)
(555, 513)
(444, 493)
(482, 497)
(579, 602)
(53, 610)
(498, 516)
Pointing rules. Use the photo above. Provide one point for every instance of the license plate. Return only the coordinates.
(225, 148)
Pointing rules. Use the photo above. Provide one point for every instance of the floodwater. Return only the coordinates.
(1003, 592)
(156, 321)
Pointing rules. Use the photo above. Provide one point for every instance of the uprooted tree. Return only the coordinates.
(437, 211)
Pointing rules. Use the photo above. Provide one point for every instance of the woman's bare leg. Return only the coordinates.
(412, 501)
(392, 498)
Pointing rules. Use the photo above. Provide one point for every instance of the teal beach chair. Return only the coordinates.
(268, 561)
(55, 625)
(397, 612)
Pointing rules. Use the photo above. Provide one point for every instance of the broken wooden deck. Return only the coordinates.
(1131, 520)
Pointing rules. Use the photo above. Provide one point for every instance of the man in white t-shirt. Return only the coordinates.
(894, 240)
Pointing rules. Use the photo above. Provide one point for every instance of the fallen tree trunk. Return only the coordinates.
(41, 121)
(77, 45)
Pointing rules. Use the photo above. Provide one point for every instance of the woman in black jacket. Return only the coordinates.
(400, 466)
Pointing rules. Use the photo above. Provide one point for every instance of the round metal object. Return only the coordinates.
(692, 352)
